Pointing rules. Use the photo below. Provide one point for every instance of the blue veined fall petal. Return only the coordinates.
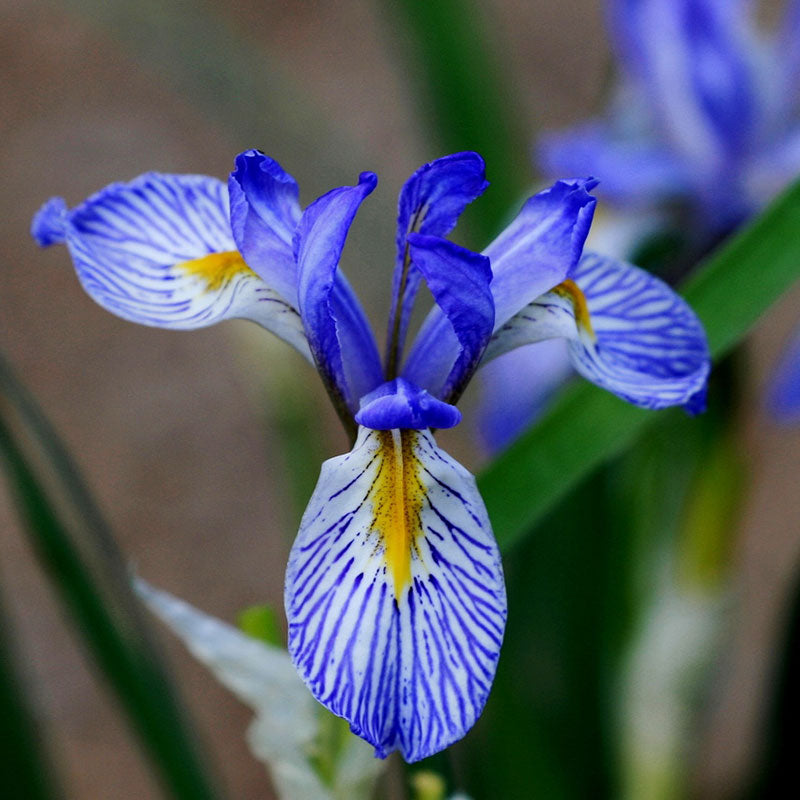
(627, 332)
(395, 594)
(159, 251)
(704, 98)
(634, 168)
(695, 63)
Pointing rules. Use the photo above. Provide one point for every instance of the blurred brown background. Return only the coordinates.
(168, 427)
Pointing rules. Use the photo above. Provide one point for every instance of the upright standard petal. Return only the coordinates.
(447, 350)
(634, 170)
(541, 246)
(690, 58)
(265, 211)
(395, 595)
(628, 332)
(159, 251)
(534, 253)
(430, 202)
(338, 332)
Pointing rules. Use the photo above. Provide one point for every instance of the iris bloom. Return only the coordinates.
(705, 120)
(394, 589)
(706, 113)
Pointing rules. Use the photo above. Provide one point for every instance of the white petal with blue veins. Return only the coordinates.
(395, 594)
(627, 330)
(159, 251)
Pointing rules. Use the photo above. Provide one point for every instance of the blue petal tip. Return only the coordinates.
(369, 179)
(49, 223)
(696, 404)
(584, 185)
(590, 183)
(254, 161)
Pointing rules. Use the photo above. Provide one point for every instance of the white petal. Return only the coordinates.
(159, 251)
(262, 676)
(628, 332)
(395, 594)
(551, 316)
(670, 657)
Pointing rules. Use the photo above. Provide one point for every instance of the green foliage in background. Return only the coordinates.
(76, 549)
(25, 770)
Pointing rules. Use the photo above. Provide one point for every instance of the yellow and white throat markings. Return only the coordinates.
(216, 269)
(570, 290)
(397, 495)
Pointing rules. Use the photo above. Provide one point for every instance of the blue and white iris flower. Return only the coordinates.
(394, 589)
(706, 113)
(705, 121)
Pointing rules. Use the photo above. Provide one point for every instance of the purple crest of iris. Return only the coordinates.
(394, 589)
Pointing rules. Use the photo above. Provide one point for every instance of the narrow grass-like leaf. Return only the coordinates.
(77, 551)
(734, 287)
(25, 770)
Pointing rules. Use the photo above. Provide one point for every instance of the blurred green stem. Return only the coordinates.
(25, 770)
(467, 98)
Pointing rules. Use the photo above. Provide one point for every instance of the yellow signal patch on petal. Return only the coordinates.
(216, 269)
(397, 495)
(570, 290)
